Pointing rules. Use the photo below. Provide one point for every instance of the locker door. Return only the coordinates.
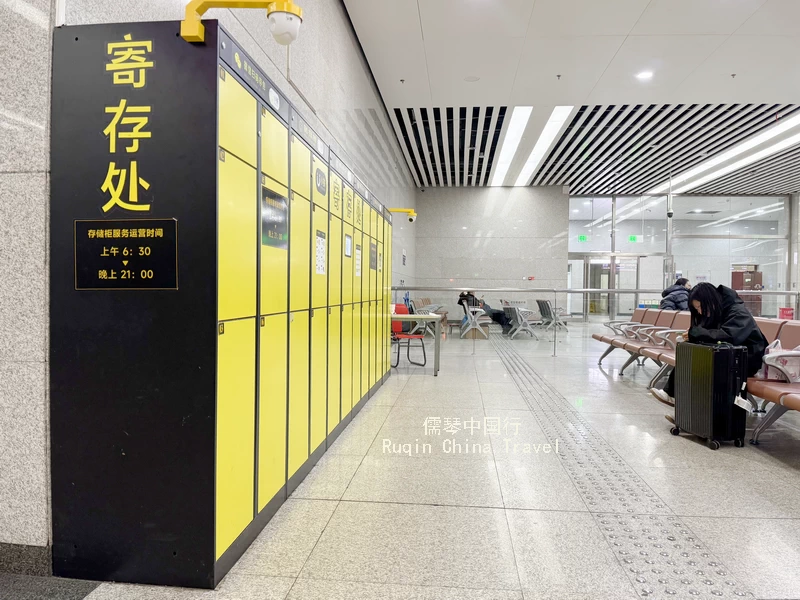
(236, 417)
(298, 389)
(299, 253)
(272, 408)
(274, 242)
(358, 212)
(319, 174)
(336, 197)
(348, 251)
(319, 370)
(373, 223)
(349, 205)
(301, 168)
(238, 119)
(347, 359)
(319, 257)
(373, 269)
(274, 148)
(334, 261)
(358, 265)
(238, 231)
(366, 311)
(381, 319)
(335, 368)
(356, 392)
(373, 344)
(365, 267)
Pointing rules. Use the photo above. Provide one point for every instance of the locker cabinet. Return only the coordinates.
(336, 195)
(375, 352)
(348, 261)
(334, 260)
(366, 311)
(319, 182)
(274, 148)
(357, 350)
(272, 407)
(319, 257)
(299, 253)
(335, 367)
(236, 373)
(238, 209)
(347, 359)
(349, 205)
(298, 389)
(358, 265)
(301, 168)
(237, 119)
(274, 246)
(319, 372)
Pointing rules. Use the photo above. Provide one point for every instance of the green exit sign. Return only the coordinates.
(635, 239)
(583, 238)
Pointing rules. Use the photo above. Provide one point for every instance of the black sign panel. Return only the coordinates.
(140, 254)
(373, 256)
(274, 219)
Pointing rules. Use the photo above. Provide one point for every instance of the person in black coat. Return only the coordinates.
(719, 315)
(676, 297)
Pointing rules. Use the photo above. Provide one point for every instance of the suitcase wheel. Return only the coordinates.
(675, 431)
(738, 443)
(713, 444)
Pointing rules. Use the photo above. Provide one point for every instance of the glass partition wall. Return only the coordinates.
(623, 243)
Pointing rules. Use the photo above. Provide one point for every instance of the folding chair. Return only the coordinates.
(399, 338)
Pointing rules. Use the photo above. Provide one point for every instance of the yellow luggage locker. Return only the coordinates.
(366, 271)
(357, 349)
(301, 168)
(375, 348)
(366, 311)
(373, 269)
(336, 195)
(373, 223)
(335, 368)
(334, 261)
(348, 261)
(358, 212)
(298, 389)
(319, 182)
(299, 253)
(274, 246)
(319, 371)
(237, 212)
(349, 208)
(358, 265)
(237, 119)
(272, 407)
(347, 359)
(319, 258)
(236, 418)
(274, 148)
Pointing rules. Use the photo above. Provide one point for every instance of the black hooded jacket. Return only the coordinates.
(675, 298)
(736, 327)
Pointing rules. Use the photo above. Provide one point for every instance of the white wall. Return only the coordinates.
(324, 75)
(491, 237)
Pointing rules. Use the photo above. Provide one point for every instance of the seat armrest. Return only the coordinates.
(772, 358)
(663, 335)
(631, 329)
(646, 334)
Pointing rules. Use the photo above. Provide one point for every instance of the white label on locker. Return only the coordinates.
(358, 260)
(274, 99)
(321, 255)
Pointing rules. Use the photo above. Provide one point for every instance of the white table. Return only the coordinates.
(437, 320)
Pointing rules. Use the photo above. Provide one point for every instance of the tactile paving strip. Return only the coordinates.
(660, 555)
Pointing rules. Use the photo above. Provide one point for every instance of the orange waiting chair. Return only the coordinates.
(399, 338)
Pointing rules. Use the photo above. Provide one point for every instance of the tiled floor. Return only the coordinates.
(483, 505)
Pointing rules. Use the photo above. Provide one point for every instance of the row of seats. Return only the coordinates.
(654, 334)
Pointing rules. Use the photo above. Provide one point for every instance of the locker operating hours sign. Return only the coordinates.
(135, 254)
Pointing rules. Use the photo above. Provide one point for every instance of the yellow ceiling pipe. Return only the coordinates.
(412, 216)
(284, 17)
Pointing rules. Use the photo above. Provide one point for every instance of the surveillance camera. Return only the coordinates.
(284, 26)
(412, 218)
(670, 212)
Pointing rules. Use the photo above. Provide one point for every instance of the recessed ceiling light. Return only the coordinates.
(698, 210)
(587, 203)
(471, 78)
(772, 229)
(557, 118)
(519, 121)
(463, 228)
(575, 210)
(644, 75)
